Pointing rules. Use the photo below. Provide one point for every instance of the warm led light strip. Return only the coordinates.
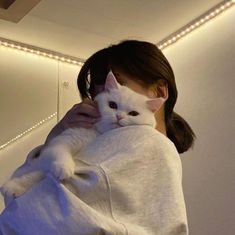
(174, 37)
(212, 13)
(27, 131)
(40, 51)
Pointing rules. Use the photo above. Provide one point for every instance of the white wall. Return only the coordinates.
(204, 65)
(31, 89)
(27, 83)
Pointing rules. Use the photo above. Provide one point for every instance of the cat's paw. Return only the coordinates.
(62, 170)
(13, 189)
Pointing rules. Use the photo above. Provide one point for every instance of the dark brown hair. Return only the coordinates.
(147, 64)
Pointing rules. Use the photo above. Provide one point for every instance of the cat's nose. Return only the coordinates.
(119, 117)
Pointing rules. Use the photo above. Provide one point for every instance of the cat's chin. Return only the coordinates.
(103, 127)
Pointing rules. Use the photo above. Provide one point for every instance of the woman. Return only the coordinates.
(142, 196)
(141, 66)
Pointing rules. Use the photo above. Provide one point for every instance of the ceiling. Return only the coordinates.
(81, 27)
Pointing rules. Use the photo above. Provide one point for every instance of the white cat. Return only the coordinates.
(119, 107)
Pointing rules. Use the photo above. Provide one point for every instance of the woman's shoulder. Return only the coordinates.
(132, 131)
(118, 140)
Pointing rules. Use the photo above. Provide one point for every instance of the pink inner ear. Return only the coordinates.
(111, 82)
(155, 104)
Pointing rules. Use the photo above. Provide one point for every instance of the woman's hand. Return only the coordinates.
(84, 114)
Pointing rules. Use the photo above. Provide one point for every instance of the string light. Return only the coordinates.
(217, 10)
(163, 44)
(40, 51)
(28, 130)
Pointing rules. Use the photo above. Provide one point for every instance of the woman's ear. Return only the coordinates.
(161, 89)
(159, 95)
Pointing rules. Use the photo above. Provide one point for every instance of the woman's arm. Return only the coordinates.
(84, 114)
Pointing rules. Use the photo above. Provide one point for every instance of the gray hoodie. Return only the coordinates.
(128, 181)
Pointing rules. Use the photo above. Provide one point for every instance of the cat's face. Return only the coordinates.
(119, 106)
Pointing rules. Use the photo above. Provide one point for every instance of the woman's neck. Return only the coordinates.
(161, 127)
(161, 124)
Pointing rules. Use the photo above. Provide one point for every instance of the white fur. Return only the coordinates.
(127, 101)
(57, 157)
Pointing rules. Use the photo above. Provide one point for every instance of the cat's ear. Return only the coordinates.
(111, 82)
(155, 104)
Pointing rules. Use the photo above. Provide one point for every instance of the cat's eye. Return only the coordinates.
(112, 105)
(133, 113)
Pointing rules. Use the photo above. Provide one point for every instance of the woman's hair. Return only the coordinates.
(144, 62)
